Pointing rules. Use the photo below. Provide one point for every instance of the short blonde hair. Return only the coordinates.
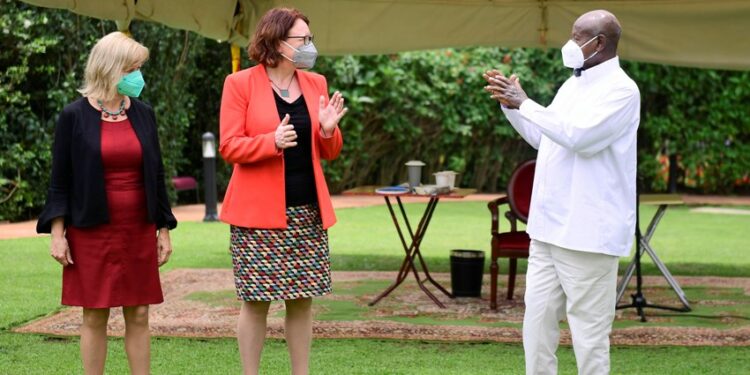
(111, 56)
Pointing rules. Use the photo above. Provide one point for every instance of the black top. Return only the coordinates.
(299, 179)
(76, 190)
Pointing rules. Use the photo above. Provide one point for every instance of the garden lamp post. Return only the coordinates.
(209, 176)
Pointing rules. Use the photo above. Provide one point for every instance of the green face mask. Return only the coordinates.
(131, 84)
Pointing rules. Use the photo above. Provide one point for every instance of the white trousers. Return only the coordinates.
(580, 284)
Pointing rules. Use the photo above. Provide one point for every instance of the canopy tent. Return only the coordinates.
(707, 34)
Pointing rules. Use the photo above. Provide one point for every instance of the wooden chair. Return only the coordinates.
(513, 244)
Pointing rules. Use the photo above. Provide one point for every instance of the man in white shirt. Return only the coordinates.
(582, 215)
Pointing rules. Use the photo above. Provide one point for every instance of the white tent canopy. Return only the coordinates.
(707, 34)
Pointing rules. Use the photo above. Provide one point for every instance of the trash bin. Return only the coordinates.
(467, 268)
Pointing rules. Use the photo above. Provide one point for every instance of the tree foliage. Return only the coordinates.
(430, 106)
(42, 57)
(700, 115)
(426, 105)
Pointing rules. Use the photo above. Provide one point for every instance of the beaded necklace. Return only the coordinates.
(115, 114)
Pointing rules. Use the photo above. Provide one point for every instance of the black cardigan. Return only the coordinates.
(77, 190)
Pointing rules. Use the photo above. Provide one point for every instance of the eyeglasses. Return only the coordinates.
(306, 39)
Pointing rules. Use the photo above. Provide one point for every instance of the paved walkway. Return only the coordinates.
(195, 212)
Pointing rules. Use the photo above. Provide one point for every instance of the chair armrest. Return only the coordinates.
(492, 206)
(512, 219)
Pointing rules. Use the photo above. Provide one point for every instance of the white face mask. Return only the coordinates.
(572, 54)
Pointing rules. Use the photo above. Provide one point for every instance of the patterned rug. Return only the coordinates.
(202, 303)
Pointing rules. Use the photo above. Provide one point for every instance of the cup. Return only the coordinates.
(414, 169)
(445, 178)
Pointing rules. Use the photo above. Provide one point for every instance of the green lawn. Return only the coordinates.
(714, 307)
(34, 354)
(364, 239)
(690, 243)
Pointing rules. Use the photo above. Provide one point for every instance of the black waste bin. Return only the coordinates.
(467, 267)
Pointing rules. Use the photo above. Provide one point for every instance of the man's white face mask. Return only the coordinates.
(572, 54)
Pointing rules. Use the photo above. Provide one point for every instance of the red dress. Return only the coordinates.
(116, 264)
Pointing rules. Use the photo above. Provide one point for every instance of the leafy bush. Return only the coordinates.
(42, 59)
(700, 115)
(425, 105)
(430, 106)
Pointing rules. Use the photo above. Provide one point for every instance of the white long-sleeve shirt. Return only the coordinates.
(584, 184)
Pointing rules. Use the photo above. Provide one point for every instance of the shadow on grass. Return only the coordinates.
(346, 262)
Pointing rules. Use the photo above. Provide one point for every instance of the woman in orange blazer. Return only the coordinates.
(276, 124)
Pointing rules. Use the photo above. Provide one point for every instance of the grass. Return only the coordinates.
(364, 239)
(719, 307)
(690, 243)
(36, 354)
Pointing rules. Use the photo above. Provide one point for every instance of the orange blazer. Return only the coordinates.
(255, 197)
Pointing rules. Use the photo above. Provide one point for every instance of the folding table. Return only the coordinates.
(412, 247)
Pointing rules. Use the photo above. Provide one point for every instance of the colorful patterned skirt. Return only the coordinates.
(282, 264)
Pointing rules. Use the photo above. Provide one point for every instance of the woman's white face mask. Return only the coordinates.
(572, 54)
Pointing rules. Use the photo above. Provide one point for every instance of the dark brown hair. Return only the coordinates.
(271, 30)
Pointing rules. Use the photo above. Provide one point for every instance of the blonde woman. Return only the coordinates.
(107, 207)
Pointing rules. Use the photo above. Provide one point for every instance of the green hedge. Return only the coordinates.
(42, 56)
(416, 105)
(430, 106)
(703, 116)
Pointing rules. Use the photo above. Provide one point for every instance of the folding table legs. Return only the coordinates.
(408, 262)
(412, 250)
(645, 246)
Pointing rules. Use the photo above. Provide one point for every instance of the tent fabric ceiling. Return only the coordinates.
(707, 34)
(214, 19)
